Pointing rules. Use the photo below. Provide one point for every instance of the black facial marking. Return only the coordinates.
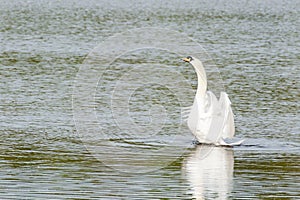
(190, 58)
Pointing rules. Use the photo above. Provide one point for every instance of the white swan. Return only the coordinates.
(209, 119)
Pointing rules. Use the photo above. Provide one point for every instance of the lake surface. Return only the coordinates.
(128, 141)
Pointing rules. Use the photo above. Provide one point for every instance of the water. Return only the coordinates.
(42, 47)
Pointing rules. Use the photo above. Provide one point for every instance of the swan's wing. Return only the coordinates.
(217, 118)
(211, 103)
(225, 104)
(210, 120)
(193, 117)
(202, 120)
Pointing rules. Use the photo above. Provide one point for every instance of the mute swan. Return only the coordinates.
(209, 119)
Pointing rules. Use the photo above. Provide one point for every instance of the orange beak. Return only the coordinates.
(186, 59)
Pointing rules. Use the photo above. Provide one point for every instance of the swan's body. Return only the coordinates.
(209, 119)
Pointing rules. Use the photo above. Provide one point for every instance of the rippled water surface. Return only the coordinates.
(43, 155)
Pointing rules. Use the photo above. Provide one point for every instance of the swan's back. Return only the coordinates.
(211, 120)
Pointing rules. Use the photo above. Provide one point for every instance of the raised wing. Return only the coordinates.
(202, 118)
(211, 120)
(225, 106)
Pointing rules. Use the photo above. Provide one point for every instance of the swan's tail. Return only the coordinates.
(223, 143)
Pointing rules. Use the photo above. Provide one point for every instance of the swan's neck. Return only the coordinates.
(202, 81)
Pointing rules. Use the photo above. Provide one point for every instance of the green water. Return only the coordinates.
(255, 45)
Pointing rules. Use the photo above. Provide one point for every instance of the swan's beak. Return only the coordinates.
(186, 59)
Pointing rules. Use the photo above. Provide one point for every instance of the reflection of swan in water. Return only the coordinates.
(209, 170)
(209, 119)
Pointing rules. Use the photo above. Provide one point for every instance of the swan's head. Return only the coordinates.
(197, 64)
(188, 59)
